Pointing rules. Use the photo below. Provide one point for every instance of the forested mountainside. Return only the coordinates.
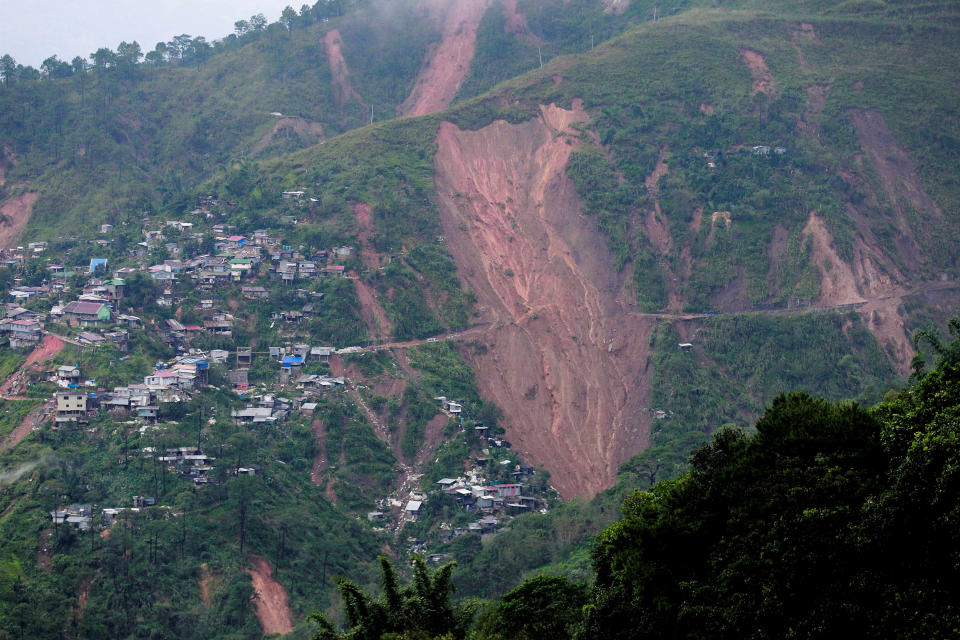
(441, 277)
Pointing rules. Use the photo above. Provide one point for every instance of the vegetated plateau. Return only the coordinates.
(453, 278)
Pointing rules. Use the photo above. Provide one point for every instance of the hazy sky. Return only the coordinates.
(32, 30)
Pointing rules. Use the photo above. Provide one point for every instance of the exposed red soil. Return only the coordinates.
(567, 359)
(809, 123)
(270, 598)
(206, 585)
(802, 34)
(29, 421)
(48, 347)
(882, 317)
(696, 220)
(762, 78)
(14, 215)
(307, 132)
(372, 312)
(516, 23)
(870, 279)
(365, 230)
(838, 285)
(432, 437)
(899, 179)
(343, 91)
(656, 229)
(733, 296)
(447, 64)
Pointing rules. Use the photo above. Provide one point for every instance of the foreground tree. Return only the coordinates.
(831, 521)
(421, 610)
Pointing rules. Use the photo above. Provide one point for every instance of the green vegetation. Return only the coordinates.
(12, 413)
(828, 519)
(824, 519)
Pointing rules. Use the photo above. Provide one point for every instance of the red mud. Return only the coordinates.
(374, 316)
(270, 599)
(14, 215)
(866, 279)
(762, 78)
(567, 360)
(446, 65)
(342, 90)
(49, 347)
(26, 425)
(897, 173)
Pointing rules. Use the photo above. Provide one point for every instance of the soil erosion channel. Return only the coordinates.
(567, 360)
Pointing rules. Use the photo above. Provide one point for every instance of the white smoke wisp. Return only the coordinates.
(9, 477)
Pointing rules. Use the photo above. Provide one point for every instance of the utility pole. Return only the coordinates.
(199, 430)
(540, 55)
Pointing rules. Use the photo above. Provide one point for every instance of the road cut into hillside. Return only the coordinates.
(567, 354)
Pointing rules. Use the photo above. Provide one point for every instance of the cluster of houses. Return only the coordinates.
(169, 382)
(21, 327)
(238, 258)
(492, 504)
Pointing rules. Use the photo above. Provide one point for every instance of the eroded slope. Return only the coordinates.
(567, 359)
(448, 63)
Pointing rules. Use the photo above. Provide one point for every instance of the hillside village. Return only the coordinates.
(195, 303)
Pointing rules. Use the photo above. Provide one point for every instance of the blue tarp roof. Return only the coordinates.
(97, 262)
(289, 360)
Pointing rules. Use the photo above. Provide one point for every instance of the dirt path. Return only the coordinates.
(447, 64)
(14, 215)
(270, 598)
(762, 78)
(343, 91)
(567, 359)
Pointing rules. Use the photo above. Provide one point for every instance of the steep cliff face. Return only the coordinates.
(567, 360)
